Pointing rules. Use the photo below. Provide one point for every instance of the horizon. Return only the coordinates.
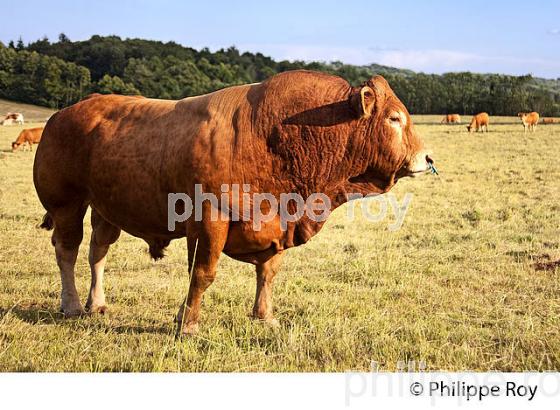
(435, 38)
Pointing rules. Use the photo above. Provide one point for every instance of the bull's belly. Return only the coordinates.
(138, 207)
(243, 242)
(143, 216)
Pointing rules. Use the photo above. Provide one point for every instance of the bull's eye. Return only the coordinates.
(395, 119)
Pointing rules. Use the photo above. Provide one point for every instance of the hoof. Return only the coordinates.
(269, 322)
(101, 310)
(73, 312)
(273, 323)
(189, 329)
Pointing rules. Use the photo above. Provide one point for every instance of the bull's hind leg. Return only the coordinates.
(266, 272)
(67, 236)
(103, 235)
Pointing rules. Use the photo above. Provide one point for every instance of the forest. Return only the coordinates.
(57, 74)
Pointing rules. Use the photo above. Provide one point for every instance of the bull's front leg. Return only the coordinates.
(262, 309)
(205, 241)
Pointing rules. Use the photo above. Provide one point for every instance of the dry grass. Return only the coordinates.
(470, 282)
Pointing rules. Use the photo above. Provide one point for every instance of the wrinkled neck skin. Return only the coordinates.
(352, 163)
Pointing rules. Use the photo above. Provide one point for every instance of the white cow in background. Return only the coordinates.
(12, 118)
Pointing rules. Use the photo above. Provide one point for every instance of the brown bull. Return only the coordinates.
(28, 137)
(298, 132)
(479, 122)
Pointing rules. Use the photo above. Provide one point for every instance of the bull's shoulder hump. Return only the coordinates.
(242, 88)
(301, 77)
(218, 104)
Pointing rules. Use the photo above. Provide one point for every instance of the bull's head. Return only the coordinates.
(396, 149)
(15, 146)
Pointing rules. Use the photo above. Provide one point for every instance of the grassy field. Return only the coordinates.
(470, 282)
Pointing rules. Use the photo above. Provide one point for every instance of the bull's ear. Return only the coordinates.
(363, 101)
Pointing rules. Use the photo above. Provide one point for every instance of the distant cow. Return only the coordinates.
(529, 120)
(548, 121)
(451, 119)
(12, 118)
(479, 122)
(29, 137)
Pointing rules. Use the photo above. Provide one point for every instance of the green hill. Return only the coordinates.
(59, 73)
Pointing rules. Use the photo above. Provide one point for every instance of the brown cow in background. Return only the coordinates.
(28, 137)
(451, 119)
(529, 120)
(479, 122)
(299, 132)
(547, 121)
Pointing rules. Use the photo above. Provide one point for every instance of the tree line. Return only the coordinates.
(57, 74)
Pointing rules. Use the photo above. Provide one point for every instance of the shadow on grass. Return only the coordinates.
(34, 314)
(45, 316)
(547, 266)
(138, 329)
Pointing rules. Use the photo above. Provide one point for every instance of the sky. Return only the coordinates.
(511, 37)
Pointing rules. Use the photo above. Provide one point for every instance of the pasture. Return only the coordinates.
(470, 281)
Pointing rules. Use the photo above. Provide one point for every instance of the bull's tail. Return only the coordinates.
(47, 223)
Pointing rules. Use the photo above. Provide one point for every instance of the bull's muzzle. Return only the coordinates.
(420, 163)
